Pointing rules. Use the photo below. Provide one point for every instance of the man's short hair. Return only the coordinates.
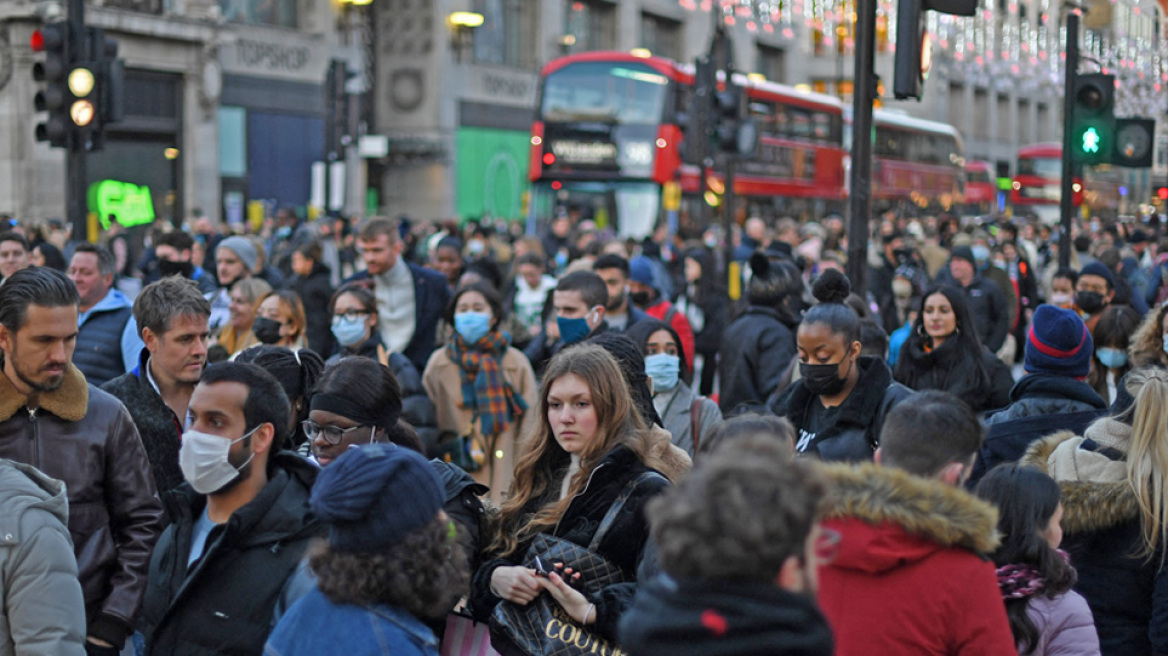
(106, 264)
(12, 235)
(591, 287)
(929, 430)
(742, 511)
(176, 239)
(43, 286)
(170, 297)
(378, 226)
(612, 261)
(266, 402)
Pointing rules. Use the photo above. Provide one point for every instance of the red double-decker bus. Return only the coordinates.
(607, 139)
(981, 192)
(916, 162)
(1036, 187)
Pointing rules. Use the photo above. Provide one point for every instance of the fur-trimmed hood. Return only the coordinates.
(69, 401)
(1088, 504)
(655, 448)
(893, 518)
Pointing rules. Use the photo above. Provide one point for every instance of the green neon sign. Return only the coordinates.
(129, 203)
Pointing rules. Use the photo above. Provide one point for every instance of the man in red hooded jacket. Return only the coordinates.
(911, 576)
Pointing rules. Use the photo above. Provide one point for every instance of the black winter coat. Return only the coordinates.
(160, 430)
(224, 603)
(1041, 404)
(316, 291)
(417, 408)
(673, 618)
(981, 380)
(990, 312)
(756, 349)
(622, 546)
(856, 432)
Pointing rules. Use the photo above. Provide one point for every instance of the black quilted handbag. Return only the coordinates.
(542, 628)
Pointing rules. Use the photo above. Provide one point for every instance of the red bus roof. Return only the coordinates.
(666, 67)
(1048, 149)
(978, 166)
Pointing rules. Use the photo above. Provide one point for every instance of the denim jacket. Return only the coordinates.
(314, 625)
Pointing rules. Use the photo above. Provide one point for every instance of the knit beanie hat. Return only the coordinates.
(1058, 343)
(242, 249)
(374, 496)
(640, 270)
(1101, 270)
(963, 253)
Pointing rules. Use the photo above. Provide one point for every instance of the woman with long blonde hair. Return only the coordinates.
(1114, 482)
(588, 446)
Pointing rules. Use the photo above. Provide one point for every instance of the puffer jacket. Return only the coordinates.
(1101, 531)
(1065, 626)
(856, 432)
(1041, 404)
(85, 438)
(911, 574)
(225, 603)
(756, 349)
(43, 611)
(417, 408)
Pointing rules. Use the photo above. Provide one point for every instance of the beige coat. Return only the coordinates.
(443, 382)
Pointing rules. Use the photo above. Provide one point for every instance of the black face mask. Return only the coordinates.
(822, 379)
(267, 330)
(1089, 302)
(167, 268)
(640, 299)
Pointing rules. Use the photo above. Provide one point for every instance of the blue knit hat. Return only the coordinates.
(640, 270)
(1101, 270)
(1058, 343)
(374, 496)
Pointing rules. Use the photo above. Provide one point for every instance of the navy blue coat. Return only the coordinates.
(431, 296)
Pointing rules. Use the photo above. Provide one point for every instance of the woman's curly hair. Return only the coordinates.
(419, 574)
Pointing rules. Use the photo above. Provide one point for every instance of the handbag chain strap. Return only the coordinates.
(618, 505)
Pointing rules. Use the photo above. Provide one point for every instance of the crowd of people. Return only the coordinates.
(388, 437)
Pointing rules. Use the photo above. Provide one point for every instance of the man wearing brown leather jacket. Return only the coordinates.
(51, 419)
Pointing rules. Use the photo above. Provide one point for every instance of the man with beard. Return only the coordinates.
(172, 316)
(51, 419)
(619, 313)
(241, 525)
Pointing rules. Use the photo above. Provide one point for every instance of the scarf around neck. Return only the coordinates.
(484, 390)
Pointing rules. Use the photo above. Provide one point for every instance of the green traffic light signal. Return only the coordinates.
(1091, 140)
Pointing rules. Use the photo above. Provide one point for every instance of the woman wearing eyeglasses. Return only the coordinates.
(354, 324)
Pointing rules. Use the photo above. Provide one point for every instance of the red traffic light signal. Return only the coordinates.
(1162, 192)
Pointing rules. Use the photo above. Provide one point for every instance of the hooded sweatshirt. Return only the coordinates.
(910, 576)
(722, 618)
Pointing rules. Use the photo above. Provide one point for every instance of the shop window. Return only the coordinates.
(280, 13)
(592, 23)
(661, 36)
(508, 33)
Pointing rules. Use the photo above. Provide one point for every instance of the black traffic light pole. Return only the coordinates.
(75, 154)
(860, 200)
(1066, 198)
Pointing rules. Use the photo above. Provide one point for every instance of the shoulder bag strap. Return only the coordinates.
(618, 505)
(696, 420)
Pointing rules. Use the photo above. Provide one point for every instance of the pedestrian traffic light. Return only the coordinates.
(1093, 118)
(1134, 138)
(734, 133)
(53, 40)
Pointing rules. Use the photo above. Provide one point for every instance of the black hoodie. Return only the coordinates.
(722, 618)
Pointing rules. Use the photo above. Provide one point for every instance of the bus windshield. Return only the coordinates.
(619, 93)
(1043, 167)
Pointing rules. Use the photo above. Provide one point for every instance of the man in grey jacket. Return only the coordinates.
(43, 612)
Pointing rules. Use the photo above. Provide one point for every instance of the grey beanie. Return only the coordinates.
(242, 247)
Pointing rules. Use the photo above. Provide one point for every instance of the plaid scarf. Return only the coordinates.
(484, 390)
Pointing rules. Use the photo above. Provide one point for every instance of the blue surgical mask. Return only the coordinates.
(664, 370)
(473, 326)
(573, 330)
(348, 332)
(1112, 358)
(980, 253)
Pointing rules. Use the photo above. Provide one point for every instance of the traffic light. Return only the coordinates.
(55, 98)
(695, 120)
(734, 133)
(1093, 118)
(914, 50)
(1134, 138)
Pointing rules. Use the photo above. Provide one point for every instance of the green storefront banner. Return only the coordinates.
(491, 172)
(129, 203)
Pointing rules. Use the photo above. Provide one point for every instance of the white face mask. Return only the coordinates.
(204, 463)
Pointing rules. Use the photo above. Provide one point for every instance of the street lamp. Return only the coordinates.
(462, 24)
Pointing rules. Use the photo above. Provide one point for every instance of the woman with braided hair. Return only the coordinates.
(481, 386)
